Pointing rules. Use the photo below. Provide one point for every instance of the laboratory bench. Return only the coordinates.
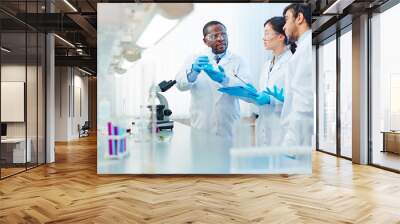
(186, 150)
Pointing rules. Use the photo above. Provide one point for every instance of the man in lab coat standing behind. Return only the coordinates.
(297, 112)
(203, 74)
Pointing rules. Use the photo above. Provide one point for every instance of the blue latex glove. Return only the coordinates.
(276, 93)
(217, 76)
(251, 87)
(240, 91)
(199, 64)
(247, 99)
(262, 99)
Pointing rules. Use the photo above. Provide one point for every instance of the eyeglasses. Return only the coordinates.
(269, 36)
(216, 36)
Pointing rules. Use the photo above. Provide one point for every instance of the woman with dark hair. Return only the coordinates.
(269, 129)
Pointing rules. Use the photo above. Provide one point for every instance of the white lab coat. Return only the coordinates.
(210, 110)
(269, 130)
(297, 111)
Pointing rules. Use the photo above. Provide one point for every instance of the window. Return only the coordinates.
(22, 65)
(327, 96)
(385, 89)
(346, 94)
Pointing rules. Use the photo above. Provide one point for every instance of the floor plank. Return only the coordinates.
(70, 191)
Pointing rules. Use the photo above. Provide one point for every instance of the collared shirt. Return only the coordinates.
(303, 37)
(275, 59)
(218, 57)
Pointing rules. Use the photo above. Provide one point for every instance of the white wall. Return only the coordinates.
(16, 73)
(244, 24)
(33, 126)
(67, 115)
(80, 83)
(10, 73)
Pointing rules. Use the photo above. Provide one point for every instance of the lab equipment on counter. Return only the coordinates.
(162, 110)
(116, 142)
(164, 136)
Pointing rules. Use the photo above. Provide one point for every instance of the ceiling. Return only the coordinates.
(77, 23)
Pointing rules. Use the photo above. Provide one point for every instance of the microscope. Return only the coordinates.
(162, 110)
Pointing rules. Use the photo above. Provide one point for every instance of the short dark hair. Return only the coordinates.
(302, 8)
(210, 24)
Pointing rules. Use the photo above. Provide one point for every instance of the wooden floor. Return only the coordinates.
(387, 159)
(10, 171)
(70, 191)
(5, 172)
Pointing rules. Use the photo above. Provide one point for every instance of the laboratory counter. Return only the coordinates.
(186, 150)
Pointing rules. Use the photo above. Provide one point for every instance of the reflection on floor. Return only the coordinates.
(70, 191)
(387, 159)
(10, 169)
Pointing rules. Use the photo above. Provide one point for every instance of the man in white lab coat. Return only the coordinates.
(297, 111)
(203, 74)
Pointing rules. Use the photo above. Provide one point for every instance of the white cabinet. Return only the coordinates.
(18, 149)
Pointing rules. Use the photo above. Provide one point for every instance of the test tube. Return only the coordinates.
(115, 140)
(110, 145)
